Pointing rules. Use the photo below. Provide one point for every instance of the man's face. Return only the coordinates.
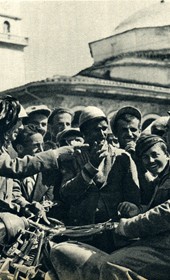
(74, 140)
(155, 159)
(128, 131)
(40, 122)
(34, 145)
(60, 122)
(12, 134)
(96, 131)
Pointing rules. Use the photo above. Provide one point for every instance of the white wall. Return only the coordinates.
(12, 70)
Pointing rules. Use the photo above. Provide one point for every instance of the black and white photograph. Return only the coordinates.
(85, 140)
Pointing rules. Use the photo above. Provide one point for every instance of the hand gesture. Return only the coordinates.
(128, 210)
(97, 153)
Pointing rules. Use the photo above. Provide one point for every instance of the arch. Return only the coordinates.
(6, 27)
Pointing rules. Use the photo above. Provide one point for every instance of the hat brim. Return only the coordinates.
(124, 110)
(40, 111)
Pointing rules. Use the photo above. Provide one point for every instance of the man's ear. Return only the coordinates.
(19, 148)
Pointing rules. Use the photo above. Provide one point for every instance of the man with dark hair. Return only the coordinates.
(59, 120)
(33, 188)
(29, 141)
(126, 126)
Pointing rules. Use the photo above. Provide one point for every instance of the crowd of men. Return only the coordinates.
(98, 171)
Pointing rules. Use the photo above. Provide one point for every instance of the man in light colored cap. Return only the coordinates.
(85, 189)
(38, 117)
(126, 126)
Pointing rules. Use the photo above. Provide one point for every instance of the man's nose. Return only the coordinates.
(40, 149)
(151, 160)
(130, 133)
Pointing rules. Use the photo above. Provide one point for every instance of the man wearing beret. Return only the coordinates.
(148, 255)
(85, 186)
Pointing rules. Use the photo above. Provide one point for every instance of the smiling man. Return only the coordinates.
(38, 117)
(152, 151)
(126, 126)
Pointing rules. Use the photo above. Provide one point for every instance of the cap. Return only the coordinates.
(124, 110)
(145, 142)
(58, 111)
(68, 132)
(38, 109)
(91, 113)
(22, 112)
(159, 126)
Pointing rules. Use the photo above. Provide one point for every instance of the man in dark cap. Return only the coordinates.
(148, 254)
(126, 126)
(85, 188)
(69, 137)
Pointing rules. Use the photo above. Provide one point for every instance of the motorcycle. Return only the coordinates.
(28, 257)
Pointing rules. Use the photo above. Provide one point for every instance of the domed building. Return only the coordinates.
(138, 51)
(131, 67)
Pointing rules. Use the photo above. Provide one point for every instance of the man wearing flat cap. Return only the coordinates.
(85, 188)
(148, 254)
(126, 126)
(69, 137)
(38, 117)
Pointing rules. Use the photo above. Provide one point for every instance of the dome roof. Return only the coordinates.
(152, 16)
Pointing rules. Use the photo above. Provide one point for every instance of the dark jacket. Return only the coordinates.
(157, 218)
(90, 197)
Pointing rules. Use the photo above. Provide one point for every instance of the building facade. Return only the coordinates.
(131, 67)
(12, 44)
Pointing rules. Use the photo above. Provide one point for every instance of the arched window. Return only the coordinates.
(6, 27)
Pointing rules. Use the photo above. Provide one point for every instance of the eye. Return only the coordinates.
(155, 155)
(133, 129)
